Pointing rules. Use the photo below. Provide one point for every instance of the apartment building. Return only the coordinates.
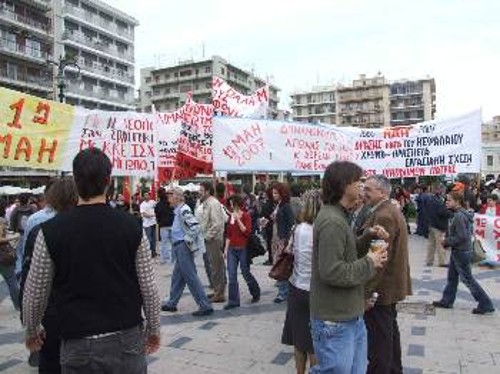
(100, 39)
(315, 106)
(367, 102)
(167, 87)
(412, 101)
(491, 131)
(26, 42)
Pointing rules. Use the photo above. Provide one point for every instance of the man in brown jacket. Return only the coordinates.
(392, 282)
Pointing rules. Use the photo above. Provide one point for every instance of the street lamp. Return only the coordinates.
(61, 65)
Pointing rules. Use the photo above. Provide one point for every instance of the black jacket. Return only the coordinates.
(437, 213)
(164, 214)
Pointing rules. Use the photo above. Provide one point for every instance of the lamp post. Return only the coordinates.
(61, 65)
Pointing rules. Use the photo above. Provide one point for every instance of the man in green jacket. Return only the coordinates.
(338, 276)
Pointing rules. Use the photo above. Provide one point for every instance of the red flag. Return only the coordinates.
(126, 190)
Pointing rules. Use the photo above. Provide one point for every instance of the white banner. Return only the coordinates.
(229, 102)
(128, 138)
(487, 229)
(443, 147)
(262, 145)
(430, 148)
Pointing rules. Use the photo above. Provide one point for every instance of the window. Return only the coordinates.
(148, 79)
(208, 69)
(208, 85)
(489, 160)
(222, 71)
(185, 73)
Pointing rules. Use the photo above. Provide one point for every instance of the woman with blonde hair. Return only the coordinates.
(296, 330)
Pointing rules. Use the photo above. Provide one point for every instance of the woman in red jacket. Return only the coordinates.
(239, 229)
(491, 208)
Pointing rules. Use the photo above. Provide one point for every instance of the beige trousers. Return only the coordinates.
(434, 245)
(217, 266)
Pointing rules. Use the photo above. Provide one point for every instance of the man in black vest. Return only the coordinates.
(95, 263)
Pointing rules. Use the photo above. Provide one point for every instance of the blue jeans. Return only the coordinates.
(340, 347)
(283, 288)
(151, 235)
(8, 274)
(459, 268)
(235, 256)
(185, 274)
(166, 254)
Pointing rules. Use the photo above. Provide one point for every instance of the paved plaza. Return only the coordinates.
(247, 340)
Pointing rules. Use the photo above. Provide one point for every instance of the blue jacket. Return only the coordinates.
(438, 213)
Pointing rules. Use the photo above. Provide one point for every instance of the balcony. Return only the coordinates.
(105, 72)
(93, 20)
(41, 29)
(44, 5)
(22, 79)
(110, 50)
(108, 96)
(24, 52)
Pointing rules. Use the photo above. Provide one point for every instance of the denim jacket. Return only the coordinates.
(193, 236)
(459, 235)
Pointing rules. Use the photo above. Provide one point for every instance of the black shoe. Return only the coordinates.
(279, 300)
(443, 265)
(34, 359)
(203, 312)
(482, 311)
(255, 299)
(210, 295)
(440, 304)
(267, 263)
(168, 308)
(230, 306)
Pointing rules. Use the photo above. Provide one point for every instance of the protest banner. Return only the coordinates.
(430, 148)
(487, 230)
(262, 145)
(229, 102)
(33, 131)
(128, 138)
(439, 147)
(185, 138)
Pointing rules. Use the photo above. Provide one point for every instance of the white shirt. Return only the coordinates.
(149, 208)
(302, 250)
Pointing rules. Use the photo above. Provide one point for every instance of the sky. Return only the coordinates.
(299, 44)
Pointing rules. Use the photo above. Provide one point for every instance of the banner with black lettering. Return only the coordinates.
(444, 147)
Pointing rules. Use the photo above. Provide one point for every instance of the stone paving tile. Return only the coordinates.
(282, 358)
(7, 365)
(412, 371)
(416, 350)
(178, 343)
(418, 330)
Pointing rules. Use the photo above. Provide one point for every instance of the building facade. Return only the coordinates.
(367, 102)
(168, 87)
(100, 39)
(317, 105)
(26, 42)
(491, 131)
(412, 101)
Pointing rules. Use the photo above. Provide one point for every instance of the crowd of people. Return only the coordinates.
(351, 262)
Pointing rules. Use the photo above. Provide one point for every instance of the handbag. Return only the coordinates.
(478, 252)
(255, 246)
(283, 267)
(7, 254)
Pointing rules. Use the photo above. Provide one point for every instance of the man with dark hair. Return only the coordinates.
(96, 260)
(337, 299)
(211, 216)
(392, 282)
